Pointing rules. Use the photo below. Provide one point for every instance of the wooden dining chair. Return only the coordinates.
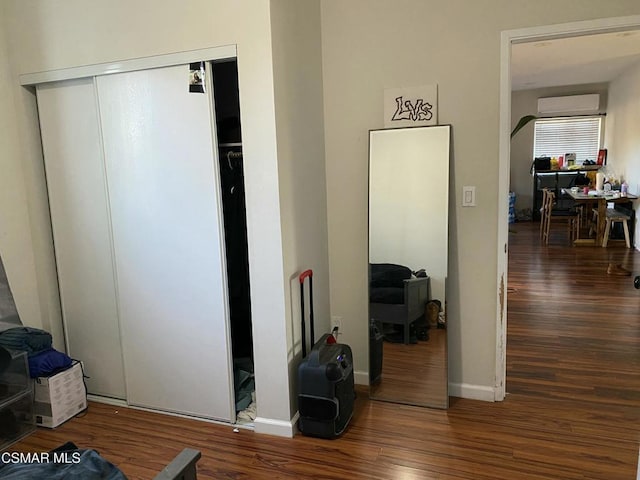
(593, 224)
(614, 216)
(549, 215)
(543, 215)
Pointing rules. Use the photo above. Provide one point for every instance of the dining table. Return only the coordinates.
(597, 199)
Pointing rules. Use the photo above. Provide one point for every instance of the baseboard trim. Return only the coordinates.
(279, 428)
(121, 403)
(472, 392)
(107, 400)
(361, 378)
(462, 390)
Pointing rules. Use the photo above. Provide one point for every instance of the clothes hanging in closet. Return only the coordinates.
(235, 225)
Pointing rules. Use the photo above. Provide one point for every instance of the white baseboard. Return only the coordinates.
(279, 428)
(462, 390)
(472, 392)
(361, 378)
(107, 400)
(267, 426)
(121, 403)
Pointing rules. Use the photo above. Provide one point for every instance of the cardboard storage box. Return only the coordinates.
(59, 397)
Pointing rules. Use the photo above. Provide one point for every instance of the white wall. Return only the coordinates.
(297, 70)
(46, 36)
(525, 102)
(368, 46)
(621, 137)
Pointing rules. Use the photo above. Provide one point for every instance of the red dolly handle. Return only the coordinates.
(305, 274)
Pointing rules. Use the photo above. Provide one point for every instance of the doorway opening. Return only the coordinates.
(540, 36)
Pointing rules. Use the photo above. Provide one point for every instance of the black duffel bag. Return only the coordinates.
(541, 163)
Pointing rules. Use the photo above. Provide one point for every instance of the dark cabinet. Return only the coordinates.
(17, 419)
(555, 180)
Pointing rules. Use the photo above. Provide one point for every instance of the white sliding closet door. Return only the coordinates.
(69, 124)
(166, 218)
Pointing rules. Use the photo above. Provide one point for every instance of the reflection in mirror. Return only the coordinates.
(408, 238)
(8, 313)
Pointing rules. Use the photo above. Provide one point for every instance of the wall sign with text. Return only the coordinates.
(411, 106)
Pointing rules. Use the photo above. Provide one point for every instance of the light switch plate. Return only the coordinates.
(468, 196)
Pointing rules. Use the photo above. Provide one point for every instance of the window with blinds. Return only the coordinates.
(557, 136)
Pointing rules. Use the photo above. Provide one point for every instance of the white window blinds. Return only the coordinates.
(557, 136)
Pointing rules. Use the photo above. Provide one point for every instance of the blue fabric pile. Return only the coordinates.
(44, 360)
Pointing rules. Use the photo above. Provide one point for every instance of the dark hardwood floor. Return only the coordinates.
(573, 409)
(573, 330)
(415, 374)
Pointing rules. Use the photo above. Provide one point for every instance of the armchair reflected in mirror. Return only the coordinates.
(408, 248)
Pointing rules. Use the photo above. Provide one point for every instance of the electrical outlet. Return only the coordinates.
(468, 196)
(336, 321)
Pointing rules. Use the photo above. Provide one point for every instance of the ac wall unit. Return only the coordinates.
(582, 104)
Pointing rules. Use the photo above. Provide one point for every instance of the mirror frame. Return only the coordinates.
(444, 176)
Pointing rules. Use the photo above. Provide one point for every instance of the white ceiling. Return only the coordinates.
(574, 60)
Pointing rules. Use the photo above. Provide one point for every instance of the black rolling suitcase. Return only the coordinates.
(325, 380)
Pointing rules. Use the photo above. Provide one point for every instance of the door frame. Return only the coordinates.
(142, 63)
(508, 38)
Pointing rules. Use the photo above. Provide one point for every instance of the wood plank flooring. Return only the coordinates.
(415, 374)
(573, 410)
(573, 330)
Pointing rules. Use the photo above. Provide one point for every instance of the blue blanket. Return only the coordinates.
(48, 362)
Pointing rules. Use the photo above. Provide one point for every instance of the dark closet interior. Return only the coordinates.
(229, 133)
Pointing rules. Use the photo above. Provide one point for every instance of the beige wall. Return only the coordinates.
(16, 246)
(370, 45)
(366, 45)
(297, 70)
(621, 137)
(525, 102)
(47, 36)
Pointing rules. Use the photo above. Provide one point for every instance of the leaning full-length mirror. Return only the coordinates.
(408, 238)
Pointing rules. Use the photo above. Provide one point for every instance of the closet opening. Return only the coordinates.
(229, 135)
